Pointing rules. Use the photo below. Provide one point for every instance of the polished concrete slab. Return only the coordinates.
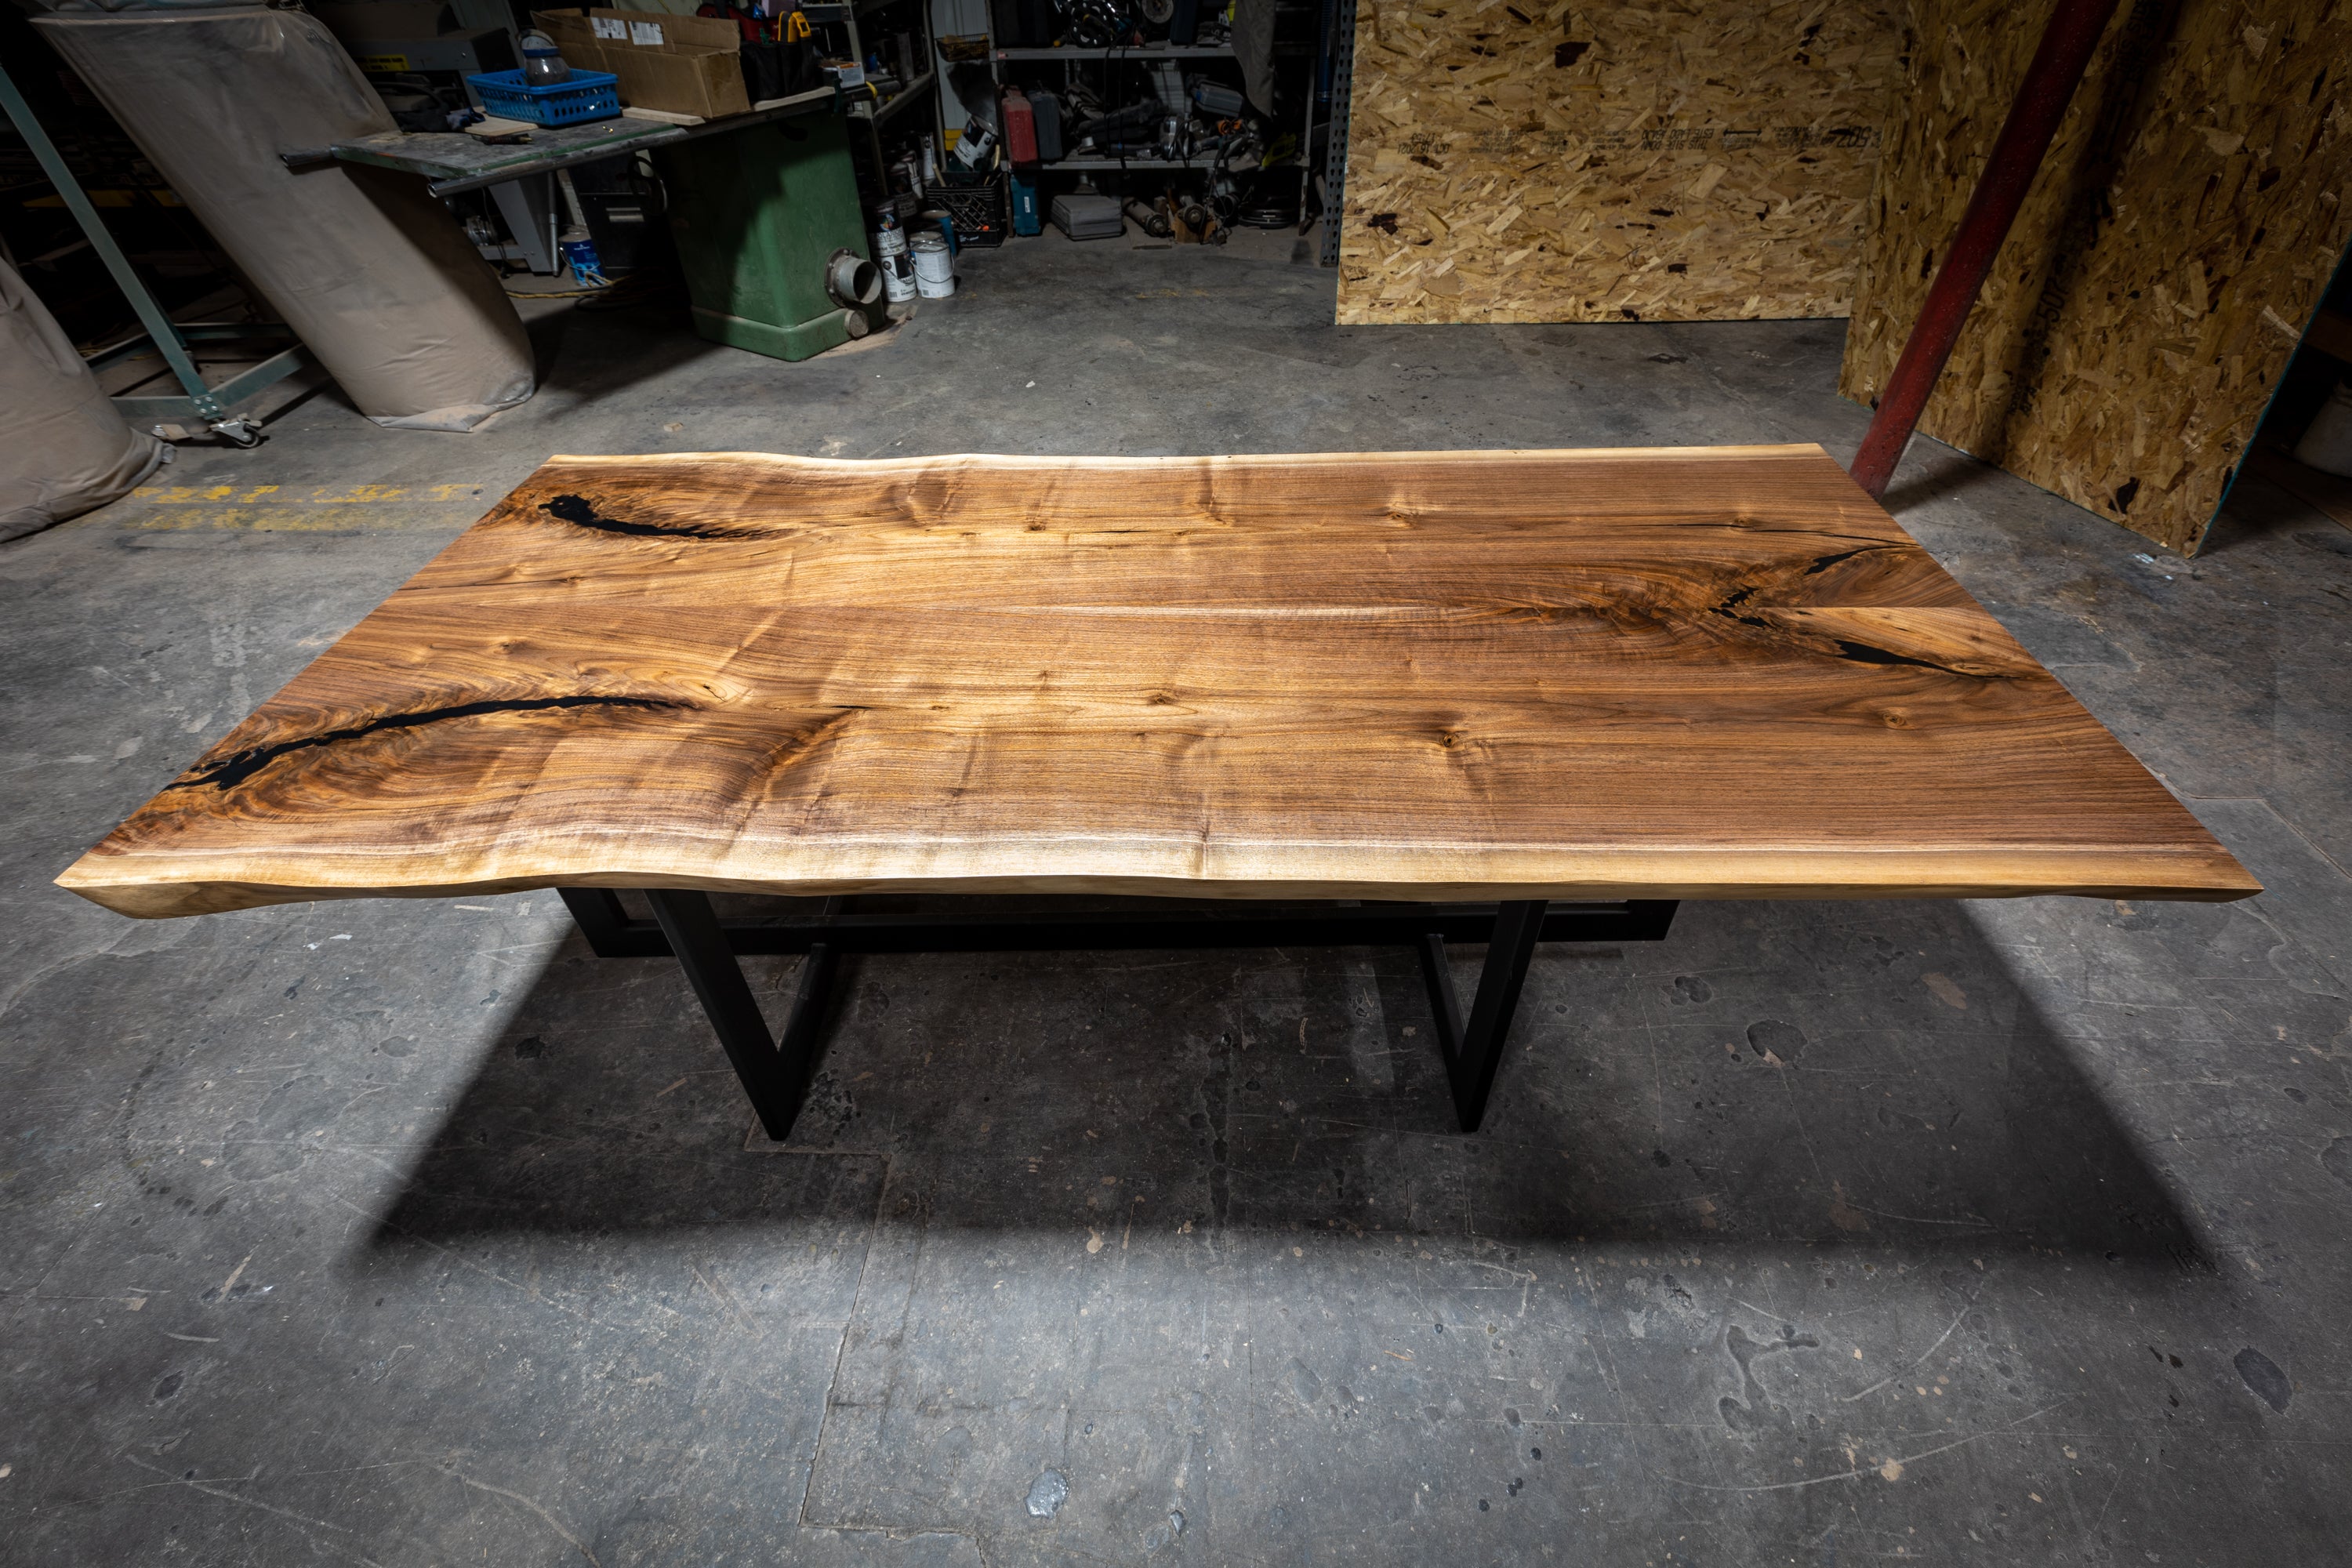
(410, 1233)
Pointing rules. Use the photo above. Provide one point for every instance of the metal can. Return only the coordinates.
(934, 267)
(972, 148)
(897, 267)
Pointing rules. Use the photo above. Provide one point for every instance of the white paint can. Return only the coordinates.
(934, 267)
(897, 267)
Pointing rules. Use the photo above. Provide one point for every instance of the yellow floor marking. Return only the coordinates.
(314, 508)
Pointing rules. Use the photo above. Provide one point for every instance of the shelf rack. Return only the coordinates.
(921, 87)
(1117, 52)
(848, 15)
(1073, 56)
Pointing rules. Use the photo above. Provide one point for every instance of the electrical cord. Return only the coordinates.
(642, 287)
(632, 289)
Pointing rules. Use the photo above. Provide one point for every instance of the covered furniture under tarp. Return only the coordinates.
(63, 449)
(369, 269)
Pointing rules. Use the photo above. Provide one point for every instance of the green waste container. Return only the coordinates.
(771, 238)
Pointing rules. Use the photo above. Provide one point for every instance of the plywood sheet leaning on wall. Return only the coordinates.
(2174, 245)
(1513, 161)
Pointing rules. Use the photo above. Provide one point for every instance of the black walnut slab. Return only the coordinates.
(1684, 673)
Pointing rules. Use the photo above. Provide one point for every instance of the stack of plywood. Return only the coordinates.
(2176, 244)
(1512, 160)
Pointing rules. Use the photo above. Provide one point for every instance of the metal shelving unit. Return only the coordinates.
(1335, 157)
(1084, 165)
(919, 87)
(1117, 52)
(846, 15)
(1073, 56)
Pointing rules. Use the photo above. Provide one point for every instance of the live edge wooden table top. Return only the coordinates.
(1688, 673)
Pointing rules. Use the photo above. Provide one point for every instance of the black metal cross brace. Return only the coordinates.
(776, 1072)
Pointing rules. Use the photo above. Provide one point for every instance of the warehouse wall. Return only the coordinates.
(1513, 161)
(2175, 245)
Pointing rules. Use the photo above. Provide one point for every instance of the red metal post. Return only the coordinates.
(2049, 86)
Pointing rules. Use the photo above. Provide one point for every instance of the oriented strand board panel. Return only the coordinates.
(1513, 161)
(1704, 672)
(2174, 245)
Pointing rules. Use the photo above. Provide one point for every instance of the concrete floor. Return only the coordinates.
(409, 1233)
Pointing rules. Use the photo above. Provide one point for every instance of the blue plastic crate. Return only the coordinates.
(589, 95)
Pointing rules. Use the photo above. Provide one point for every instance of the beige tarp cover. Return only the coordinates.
(370, 272)
(63, 449)
(90, 7)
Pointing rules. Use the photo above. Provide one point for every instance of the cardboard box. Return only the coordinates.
(680, 65)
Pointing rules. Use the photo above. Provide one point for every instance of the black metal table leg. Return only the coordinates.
(776, 1076)
(598, 912)
(1473, 1051)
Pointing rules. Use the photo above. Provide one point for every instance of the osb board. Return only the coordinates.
(2176, 242)
(1513, 161)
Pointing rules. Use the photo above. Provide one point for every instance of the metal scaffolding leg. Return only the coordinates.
(212, 405)
(1335, 159)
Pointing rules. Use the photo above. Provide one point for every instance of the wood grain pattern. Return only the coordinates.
(1690, 673)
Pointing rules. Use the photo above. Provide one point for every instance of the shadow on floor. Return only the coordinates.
(2259, 511)
(1957, 474)
(1769, 1073)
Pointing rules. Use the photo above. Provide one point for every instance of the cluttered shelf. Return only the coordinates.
(1120, 52)
(1192, 107)
(1116, 52)
(1084, 164)
(842, 12)
(915, 91)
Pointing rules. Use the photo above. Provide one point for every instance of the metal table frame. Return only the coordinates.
(776, 1071)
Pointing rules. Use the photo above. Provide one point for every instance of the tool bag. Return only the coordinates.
(774, 67)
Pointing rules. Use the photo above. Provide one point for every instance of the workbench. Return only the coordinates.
(519, 176)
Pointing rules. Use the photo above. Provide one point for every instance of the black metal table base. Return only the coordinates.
(775, 1072)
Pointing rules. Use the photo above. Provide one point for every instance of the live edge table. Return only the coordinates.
(1394, 698)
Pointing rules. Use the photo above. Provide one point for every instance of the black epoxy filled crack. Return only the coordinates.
(237, 769)
(579, 510)
(1863, 653)
(1729, 609)
(1824, 563)
(1859, 652)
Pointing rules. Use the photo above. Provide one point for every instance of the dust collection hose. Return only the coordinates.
(852, 280)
